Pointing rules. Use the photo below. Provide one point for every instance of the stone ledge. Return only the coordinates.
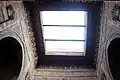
(64, 78)
(65, 73)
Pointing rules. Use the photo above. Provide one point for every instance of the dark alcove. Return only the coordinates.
(114, 58)
(10, 58)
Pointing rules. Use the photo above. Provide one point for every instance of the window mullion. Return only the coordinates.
(62, 40)
(64, 25)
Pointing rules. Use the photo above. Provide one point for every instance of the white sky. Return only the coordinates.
(73, 33)
(63, 17)
(67, 46)
(64, 33)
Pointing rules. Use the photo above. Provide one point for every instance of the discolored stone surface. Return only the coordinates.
(110, 29)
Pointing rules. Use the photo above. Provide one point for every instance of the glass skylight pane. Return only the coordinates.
(64, 33)
(64, 46)
(63, 17)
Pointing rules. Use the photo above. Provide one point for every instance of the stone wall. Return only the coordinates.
(110, 29)
(65, 74)
(19, 26)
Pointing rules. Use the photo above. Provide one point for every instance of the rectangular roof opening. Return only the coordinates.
(64, 32)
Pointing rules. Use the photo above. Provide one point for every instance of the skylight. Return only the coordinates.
(64, 32)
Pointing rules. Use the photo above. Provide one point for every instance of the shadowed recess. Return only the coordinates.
(114, 58)
(10, 58)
